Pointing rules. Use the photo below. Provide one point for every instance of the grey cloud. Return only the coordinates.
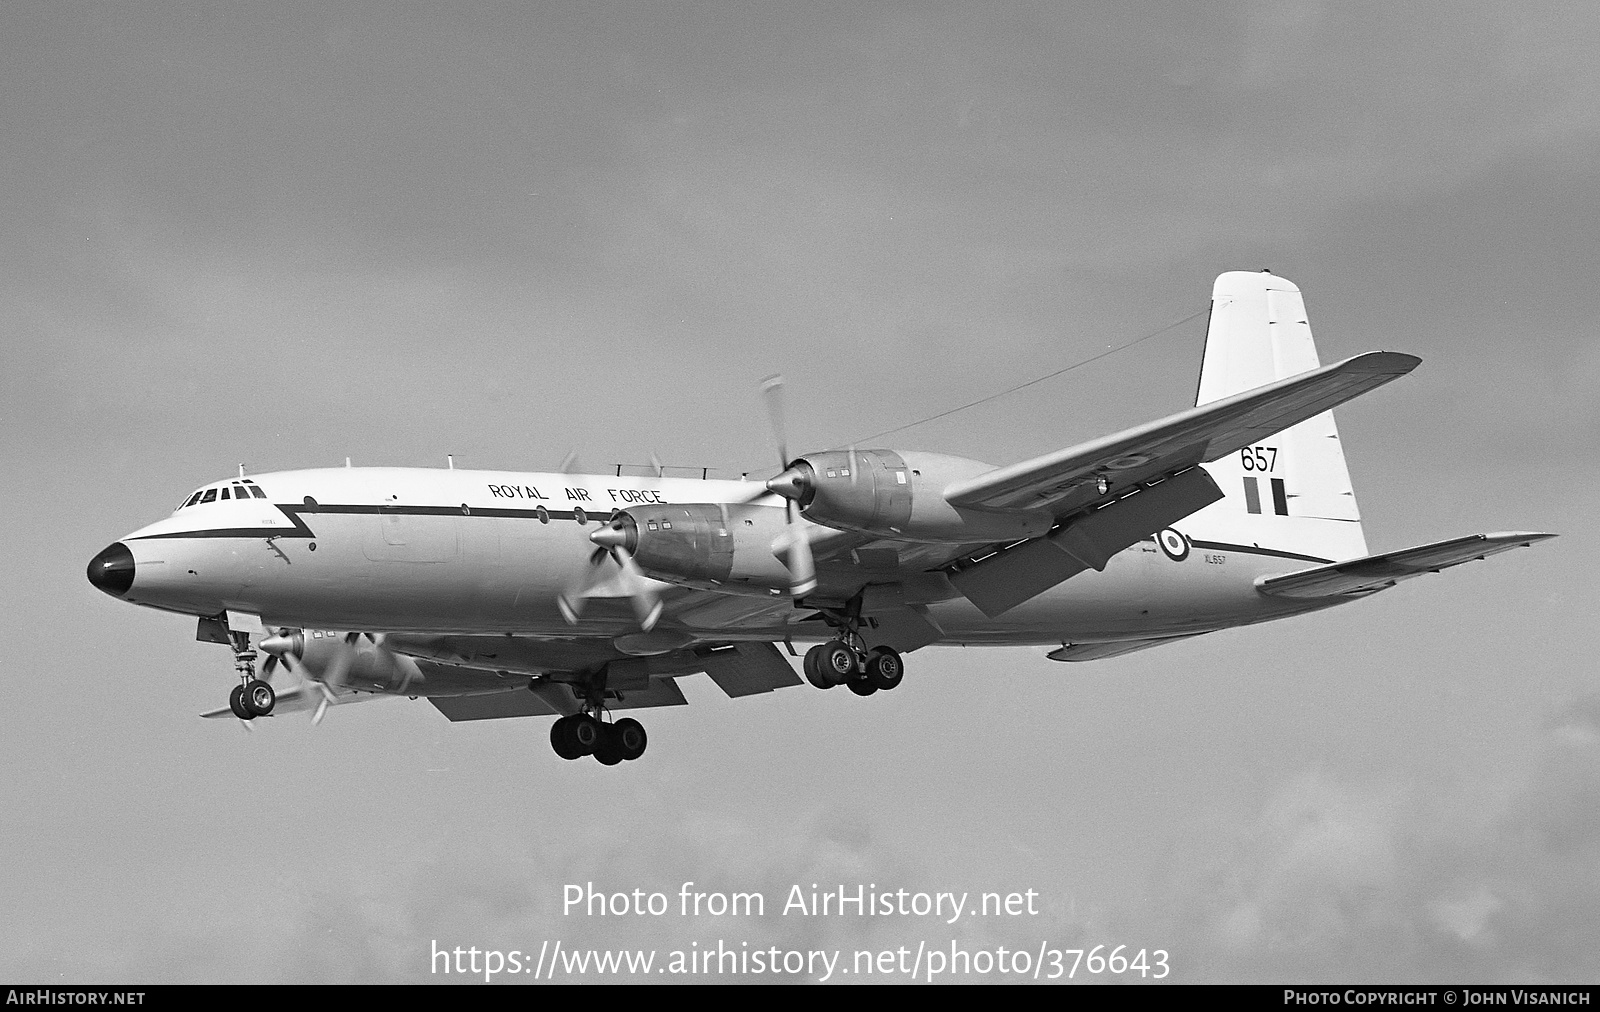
(1334, 880)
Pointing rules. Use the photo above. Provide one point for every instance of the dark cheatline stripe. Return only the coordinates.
(1252, 496)
(301, 530)
(1280, 498)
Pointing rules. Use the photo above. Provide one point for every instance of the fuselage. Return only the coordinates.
(491, 552)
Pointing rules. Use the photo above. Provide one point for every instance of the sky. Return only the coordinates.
(286, 234)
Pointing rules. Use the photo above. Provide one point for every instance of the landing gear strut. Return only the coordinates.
(848, 661)
(252, 697)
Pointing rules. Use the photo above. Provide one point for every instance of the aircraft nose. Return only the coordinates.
(112, 570)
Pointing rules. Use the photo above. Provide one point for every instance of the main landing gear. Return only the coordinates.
(580, 734)
(584, 733)
(252, 697)
(847, 660)
(838, 662)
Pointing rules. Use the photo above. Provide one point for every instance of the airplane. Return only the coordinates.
(498, 594)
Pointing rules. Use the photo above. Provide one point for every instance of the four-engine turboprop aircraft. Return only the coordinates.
(499, 594)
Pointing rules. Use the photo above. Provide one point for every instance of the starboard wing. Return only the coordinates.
(1085, 475)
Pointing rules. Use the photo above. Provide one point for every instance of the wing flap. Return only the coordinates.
(1375, 572)
(522, 703)
(1071, 479)
(1008, 578)
(748, 668)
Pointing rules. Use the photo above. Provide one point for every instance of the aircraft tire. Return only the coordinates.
(236, 704)
(838, 663)
(862, 686)
(608, 748)
(258, 698)
(587, 732)
(885, 668)
(562, 740)
(631, 738)
(813, 668)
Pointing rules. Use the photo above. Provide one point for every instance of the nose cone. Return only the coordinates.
(112, 570)
(617, 534)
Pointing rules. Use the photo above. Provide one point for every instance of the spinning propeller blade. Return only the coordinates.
(791, 483)
(647, 606)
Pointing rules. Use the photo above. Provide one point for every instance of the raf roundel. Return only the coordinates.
(1174, 545)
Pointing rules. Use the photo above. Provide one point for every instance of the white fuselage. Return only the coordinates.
(490, 552)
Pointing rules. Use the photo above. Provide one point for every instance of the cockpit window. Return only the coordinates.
(255, 490)
(193, 499)
(224, 493)
(210, 495)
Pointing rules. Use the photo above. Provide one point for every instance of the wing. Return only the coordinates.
(301, 697)
(1376, 572)
(1083, 476)
(482, 677)
(519, 702)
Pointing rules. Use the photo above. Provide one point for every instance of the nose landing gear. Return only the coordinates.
(252, 697)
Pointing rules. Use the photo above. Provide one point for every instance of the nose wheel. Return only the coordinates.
(252, 697)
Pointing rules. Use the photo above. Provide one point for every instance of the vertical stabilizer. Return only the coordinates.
(1292, 491)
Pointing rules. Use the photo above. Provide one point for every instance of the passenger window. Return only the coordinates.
(209, 496)
(544, 515)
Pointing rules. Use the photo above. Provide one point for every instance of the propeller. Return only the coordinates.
(792, 482)
(287, 645)
(611, 540)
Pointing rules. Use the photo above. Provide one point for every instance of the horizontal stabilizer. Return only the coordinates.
(1100, 651)
(1375, 572)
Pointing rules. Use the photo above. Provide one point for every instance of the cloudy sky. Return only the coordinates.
(284, 234)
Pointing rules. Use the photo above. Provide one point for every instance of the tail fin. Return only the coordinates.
(1292, 492)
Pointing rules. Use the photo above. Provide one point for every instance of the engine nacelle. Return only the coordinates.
(901, 496)
(726, 548)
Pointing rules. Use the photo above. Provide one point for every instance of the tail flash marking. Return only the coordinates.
(1252, 495)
